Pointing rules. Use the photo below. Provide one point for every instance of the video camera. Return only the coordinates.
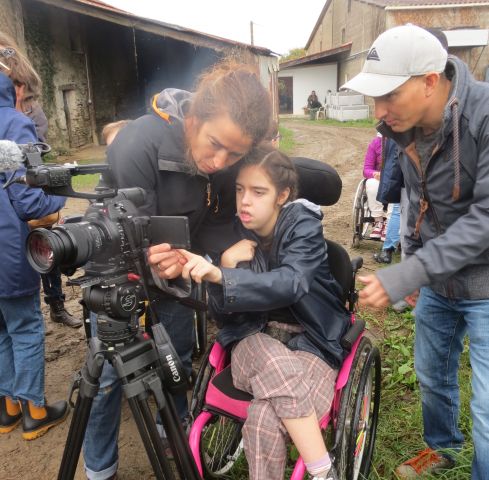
(109, 242)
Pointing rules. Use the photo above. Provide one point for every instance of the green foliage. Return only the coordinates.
(85, 182)
(293, 54)
(400, 428)
(367, 123)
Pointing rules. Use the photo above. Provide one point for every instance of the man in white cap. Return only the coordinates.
(438, 114)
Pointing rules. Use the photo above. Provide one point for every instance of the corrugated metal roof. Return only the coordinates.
(182, 33)
(322, 57)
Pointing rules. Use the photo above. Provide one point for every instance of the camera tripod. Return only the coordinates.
(138, 366)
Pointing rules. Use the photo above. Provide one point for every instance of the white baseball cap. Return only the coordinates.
(397, 55)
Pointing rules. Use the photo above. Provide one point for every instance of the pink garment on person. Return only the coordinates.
(373, 158)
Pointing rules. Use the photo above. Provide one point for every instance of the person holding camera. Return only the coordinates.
(21, 322)
(175, 153)
(28, 89)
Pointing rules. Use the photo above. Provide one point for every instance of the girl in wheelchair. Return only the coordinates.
(278, 305)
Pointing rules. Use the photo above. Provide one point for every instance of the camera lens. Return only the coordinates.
(70, 245)
(39, 251)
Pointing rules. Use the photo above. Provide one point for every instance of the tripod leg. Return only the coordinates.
(88, 388)
(151, 439)
(178, 440)
(74, 442)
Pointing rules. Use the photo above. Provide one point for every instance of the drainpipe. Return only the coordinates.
(91, 109)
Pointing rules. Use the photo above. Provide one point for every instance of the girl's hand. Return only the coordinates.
(166, 261)
(243, 251)
(199, 269)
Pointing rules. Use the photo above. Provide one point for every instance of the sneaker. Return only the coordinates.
(377, 230)
(427, 461)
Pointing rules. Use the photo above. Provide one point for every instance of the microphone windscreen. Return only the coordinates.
(11, 157)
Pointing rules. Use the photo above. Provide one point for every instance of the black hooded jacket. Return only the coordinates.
(294, 274)
(150, 152)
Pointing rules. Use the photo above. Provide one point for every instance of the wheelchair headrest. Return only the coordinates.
(318, 182)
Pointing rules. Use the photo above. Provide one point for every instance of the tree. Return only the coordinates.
(293, 54)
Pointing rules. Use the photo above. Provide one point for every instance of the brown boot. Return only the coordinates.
(60, 315)
(36, 421)
(10, 414)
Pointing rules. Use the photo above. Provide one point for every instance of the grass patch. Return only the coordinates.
(287, 142)
(400, 431)
(85, 182)
(367, 123)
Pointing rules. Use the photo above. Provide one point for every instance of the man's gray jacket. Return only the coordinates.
(448, 216)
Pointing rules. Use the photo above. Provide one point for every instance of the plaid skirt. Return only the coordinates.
(284, 384)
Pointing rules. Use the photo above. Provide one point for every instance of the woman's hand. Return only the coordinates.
(377, 176)
(166, 261)
(243, 251)
(199, 269)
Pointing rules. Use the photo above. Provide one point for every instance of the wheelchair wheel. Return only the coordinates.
(360, 215)
(358, 417)
(221, 448)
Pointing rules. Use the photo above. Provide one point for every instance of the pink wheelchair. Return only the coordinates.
(219, 410)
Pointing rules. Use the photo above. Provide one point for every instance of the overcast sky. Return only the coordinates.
(279, 25)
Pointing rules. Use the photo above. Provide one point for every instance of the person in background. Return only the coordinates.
(22, 395)
(429, 103)
(28, 89)
(389, 193)
(110, 130)
(372, 166)
(313, 101)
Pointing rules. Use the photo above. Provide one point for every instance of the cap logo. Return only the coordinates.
(373, 55)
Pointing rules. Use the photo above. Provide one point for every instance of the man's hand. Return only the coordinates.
(200, 269)
(243, 251)
(166, 261)
(373, 294)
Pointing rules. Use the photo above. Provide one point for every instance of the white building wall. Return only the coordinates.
(320, 78)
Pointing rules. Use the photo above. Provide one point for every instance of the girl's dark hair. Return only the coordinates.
(233, 88)
(278, 167)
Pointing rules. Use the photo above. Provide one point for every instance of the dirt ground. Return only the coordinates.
(343, 148)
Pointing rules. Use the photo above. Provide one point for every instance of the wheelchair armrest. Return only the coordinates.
(352, 334)
(356, 264)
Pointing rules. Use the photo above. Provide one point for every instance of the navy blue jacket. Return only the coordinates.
(295, 274)
(391, 179)
(18, 203)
